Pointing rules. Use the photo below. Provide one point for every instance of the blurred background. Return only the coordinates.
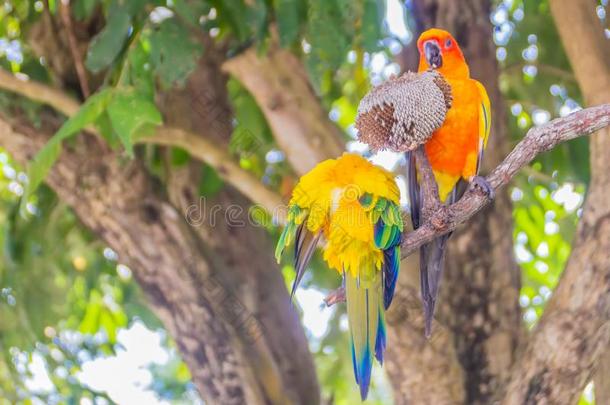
(92, 305)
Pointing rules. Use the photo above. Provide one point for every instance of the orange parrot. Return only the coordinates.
(455, 150)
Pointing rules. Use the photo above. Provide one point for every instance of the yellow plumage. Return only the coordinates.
(354, 206)
(331, 193)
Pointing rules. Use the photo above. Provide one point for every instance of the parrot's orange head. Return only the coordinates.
(440, 51)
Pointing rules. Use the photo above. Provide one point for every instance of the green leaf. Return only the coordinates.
(288, 21)
(173, 52)
(46, 157)
(91, 320)
(104, 125)
(179, 157)
(330, 32)
(233, 13)
(210, 183)
(107, 45)
(251, 135)
(83, 8)
(256, 15)
(132, 7)
(372, 19)
(129, 113)
(191, 10)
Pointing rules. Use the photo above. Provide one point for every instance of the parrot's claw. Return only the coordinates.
(481, 183)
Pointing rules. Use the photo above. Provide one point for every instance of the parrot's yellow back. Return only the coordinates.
(354, 207)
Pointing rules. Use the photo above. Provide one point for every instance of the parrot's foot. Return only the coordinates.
(480, 183)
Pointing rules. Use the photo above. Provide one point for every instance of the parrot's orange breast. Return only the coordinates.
(454, 145)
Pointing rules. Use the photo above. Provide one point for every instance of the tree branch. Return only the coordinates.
(537, 140)
(208, 152)
(196, 145)
(39, 92)
(430, 198)
(282, 90)
(66, 17)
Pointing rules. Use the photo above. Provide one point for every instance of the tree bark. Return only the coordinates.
(420, 370)
(575, 327)
(602, 379)
(202, 107)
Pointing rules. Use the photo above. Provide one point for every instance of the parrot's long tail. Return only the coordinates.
(365, 311)
(432, 255)
(431, 263)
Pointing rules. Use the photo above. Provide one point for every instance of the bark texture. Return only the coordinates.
(575, 327)
(248, 268)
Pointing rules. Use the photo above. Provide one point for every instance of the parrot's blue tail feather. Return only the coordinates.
(391, 268)
(365, 313)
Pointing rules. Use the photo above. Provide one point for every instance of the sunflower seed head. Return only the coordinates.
(403, 112)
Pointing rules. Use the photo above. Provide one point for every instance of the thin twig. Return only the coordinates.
(39, 92)
(65, 13)
(207, 151)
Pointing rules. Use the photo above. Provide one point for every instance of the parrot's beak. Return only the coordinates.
(433, 54)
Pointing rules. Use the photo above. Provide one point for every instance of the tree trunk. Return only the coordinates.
(202, 107)
(578, 24)
(578, 314)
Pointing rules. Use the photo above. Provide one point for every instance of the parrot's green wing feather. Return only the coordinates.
(295, 216)
(387, 235)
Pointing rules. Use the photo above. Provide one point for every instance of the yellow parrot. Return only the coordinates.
(353, 207)
(455, 150)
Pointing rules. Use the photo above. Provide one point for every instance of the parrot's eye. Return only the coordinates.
(448, 43)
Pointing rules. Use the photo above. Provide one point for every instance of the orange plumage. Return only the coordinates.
(455, 149)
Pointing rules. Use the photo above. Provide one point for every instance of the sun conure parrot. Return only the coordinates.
(455, 150)
(353, 207)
